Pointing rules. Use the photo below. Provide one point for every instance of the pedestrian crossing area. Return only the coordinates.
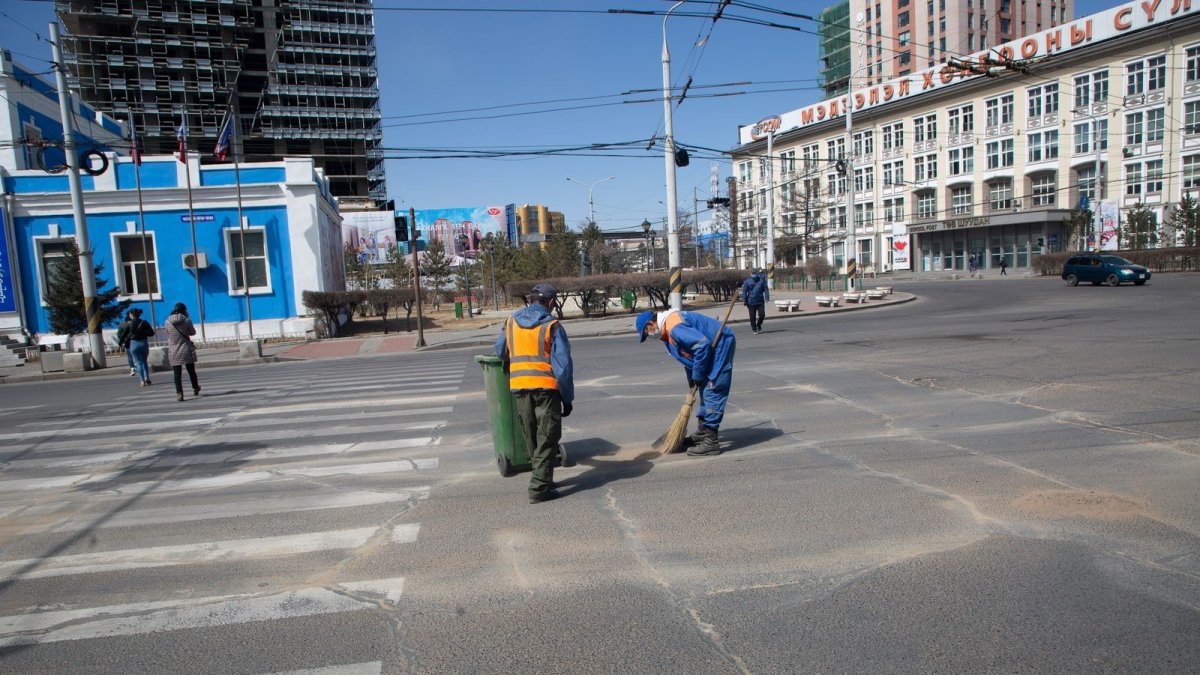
(140, 522)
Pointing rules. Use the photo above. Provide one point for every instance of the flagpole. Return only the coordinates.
(237, 178)
(183, 156)
(136, 153)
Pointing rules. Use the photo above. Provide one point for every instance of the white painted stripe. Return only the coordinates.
(266, 454)
(236, 421)
(389, 589)
(325, 398)
(220, 510)
(207, 482)
(189, 554)
(352, 404)
(368, 668)
(67, 462)
(108, 430)
(339, 431)
(360, 469)
(142, 618)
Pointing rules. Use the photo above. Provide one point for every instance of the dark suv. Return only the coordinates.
(1101, 268)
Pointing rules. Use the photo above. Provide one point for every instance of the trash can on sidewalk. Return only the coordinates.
(511, 455)
(627, 299)
(458, 309)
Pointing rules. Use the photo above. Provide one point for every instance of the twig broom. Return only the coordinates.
(672, 441)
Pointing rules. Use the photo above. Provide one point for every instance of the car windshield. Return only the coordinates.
(1116, 260)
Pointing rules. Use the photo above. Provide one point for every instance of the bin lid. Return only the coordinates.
(486, 360)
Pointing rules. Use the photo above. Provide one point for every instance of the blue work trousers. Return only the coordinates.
(715, 393)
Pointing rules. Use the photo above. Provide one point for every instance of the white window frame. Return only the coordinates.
(997, 189)
(927, 204)
(1191, 172)
(960, 200)
(1133, 179)
(232, 233)
(1156, 125)
(1135, 128)
(119, 265)
(1044, 189)
(43, 272)
(1154, 176)
(1192, 61)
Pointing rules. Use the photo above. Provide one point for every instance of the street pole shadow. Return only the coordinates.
(586, 451)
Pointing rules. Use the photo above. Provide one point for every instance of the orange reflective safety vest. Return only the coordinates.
(529, 356)
(672, 319)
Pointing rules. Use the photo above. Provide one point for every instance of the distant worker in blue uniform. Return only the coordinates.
(755, 296)
(691, 338)
(537, 355)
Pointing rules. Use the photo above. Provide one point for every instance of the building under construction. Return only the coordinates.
(301, 75)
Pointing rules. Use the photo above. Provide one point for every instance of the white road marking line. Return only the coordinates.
(208, 482)
(142, 618)
(106, 430)
(189, 554)
(391, 589)
(238, 420)
(260, 454)
(368, 668)
(342, 403)
(341, 431)
(222, 510)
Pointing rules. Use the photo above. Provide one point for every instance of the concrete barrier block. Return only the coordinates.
(157, 360)
(250, 349)
(77, 362)
(52, 362)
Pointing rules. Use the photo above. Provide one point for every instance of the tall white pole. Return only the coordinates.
(770, 255)
(848, 159)
(87, 272)
(1099, 220)
(675, 279)
(137, 179)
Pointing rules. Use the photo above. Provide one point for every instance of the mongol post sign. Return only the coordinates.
(1126, 18)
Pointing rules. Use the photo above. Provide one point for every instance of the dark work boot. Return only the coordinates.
(707, 445)
(693, 439)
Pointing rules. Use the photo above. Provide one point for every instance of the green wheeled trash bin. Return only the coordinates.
(458, 309)
(511, 455)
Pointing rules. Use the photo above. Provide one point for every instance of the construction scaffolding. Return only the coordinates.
(301, 75)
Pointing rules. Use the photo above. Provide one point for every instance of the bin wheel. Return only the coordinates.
(506, 469)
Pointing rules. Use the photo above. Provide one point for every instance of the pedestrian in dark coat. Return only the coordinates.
(755, 296)
(123, 341)
(1003, 266)
(181, 351)
(138, 336)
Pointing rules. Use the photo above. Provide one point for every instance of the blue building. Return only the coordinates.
(292, 234)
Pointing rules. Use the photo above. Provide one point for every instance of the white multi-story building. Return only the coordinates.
(948, 163)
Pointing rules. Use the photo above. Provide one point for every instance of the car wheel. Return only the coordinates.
(1140, 282)
(1072, 280)
(1113, 280)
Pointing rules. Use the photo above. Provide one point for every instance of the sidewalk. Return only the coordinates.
(613, 324)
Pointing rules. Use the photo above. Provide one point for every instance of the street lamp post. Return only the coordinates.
(676, 277)
(591, 204)
(848, 162)
(646, 226)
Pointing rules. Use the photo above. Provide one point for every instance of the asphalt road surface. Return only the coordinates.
(998, 477)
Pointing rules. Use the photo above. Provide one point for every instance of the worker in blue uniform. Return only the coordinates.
(692, 338)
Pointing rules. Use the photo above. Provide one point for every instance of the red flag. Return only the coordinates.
(181, 135)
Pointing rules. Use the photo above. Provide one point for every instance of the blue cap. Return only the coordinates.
(643, 319)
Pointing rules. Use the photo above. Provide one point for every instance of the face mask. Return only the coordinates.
(652, 334)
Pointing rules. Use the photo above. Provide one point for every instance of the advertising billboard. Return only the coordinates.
(462, 229)
(8, 297)
(901, 247)
(369, 235)
(1109, 220)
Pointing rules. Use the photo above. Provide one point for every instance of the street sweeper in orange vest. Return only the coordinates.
(689, 337)
(541, 377)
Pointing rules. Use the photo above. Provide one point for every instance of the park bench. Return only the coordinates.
(875, 294)
(854, 297)
(787, 305)
(827, 300)
(887, 290)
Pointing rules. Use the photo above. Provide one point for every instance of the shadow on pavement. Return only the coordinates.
(745, 437)
(585, 451)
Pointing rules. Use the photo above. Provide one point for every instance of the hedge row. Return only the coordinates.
(590, 294)
(1181, 259)
(336, 309)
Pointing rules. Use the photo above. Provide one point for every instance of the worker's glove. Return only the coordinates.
(567, 408)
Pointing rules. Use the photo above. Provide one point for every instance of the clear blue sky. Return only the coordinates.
(434, 62)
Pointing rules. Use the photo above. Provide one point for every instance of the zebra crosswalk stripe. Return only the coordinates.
(142, 618)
